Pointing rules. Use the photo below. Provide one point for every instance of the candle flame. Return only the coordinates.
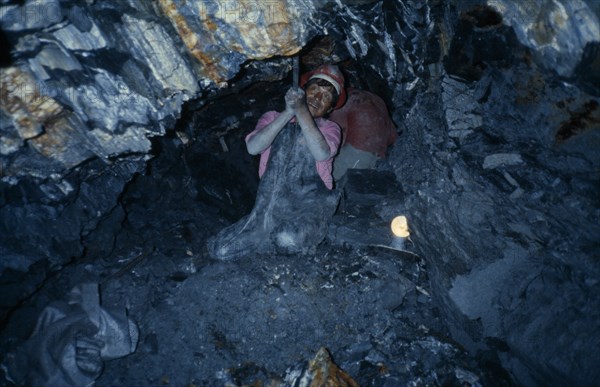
(400, 226)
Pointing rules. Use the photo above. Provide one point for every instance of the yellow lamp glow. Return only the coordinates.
(400, 227)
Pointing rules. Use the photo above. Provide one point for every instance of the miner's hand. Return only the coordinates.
(295, 99)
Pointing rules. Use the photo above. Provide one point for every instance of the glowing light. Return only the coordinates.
(400, 227)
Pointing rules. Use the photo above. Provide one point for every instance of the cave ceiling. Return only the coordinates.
(99, 79)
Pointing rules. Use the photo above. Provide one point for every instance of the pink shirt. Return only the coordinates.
(331, 132)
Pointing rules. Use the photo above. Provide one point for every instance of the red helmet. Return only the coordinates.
(333, 75)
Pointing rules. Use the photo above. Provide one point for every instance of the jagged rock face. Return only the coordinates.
(96, 79)
(497, 101)
(557, 31)
(503, 181)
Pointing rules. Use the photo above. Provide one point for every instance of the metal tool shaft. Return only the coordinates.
(295, 71)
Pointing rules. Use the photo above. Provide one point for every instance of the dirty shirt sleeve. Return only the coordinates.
(333, 136)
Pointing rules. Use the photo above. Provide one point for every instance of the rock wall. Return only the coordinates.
(499, 160)
(95, 79)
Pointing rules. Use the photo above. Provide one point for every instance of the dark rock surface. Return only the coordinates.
(507, 200)
(98, 79)
(204, 322)
(496, 168)
(208, 323)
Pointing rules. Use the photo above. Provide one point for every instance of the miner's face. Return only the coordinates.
(319, 99)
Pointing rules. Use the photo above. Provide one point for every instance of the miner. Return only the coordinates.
(296, 196)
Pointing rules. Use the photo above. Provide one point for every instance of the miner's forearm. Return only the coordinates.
(314, 138)
(264, 138)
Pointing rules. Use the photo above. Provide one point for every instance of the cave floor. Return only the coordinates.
(247, 321)
(206, 323)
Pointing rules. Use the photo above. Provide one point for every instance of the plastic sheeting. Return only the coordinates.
(71, 341)
(292, 209)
